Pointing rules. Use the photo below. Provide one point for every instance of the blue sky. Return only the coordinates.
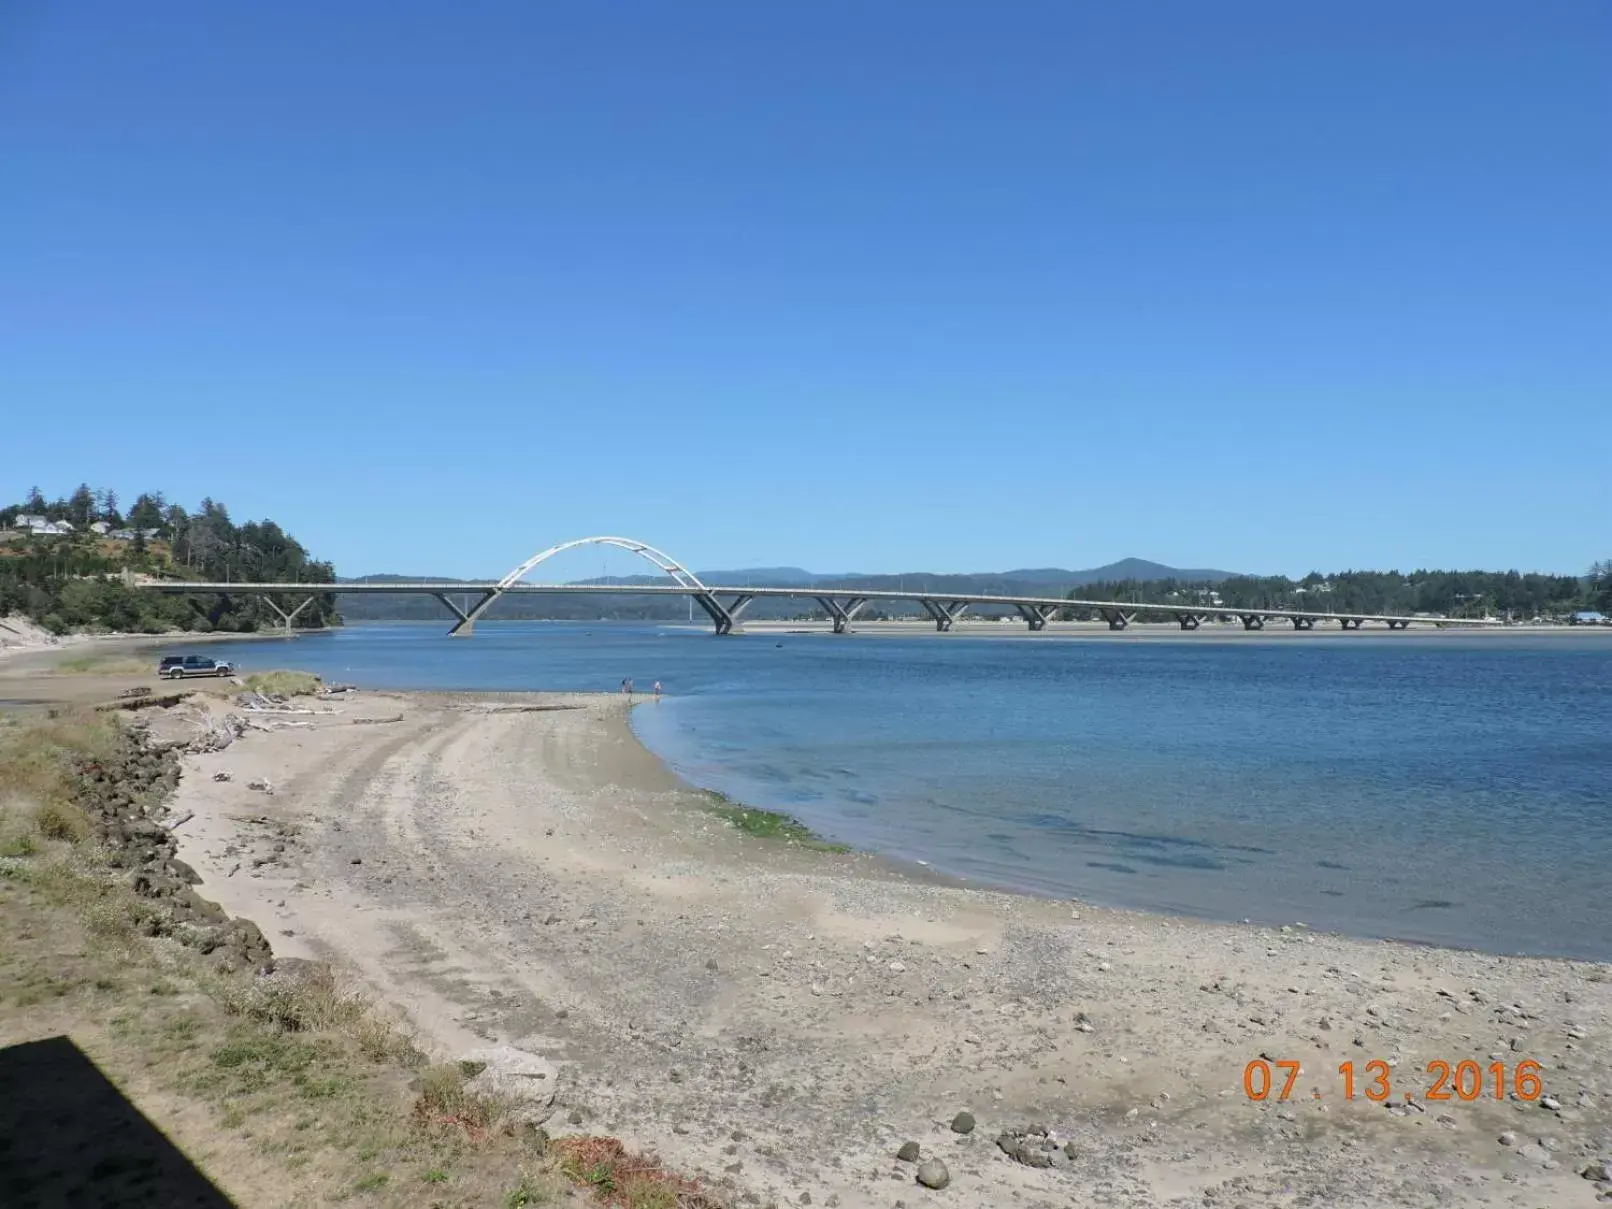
(897, 286)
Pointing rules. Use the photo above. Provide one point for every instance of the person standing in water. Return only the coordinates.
(657, 688)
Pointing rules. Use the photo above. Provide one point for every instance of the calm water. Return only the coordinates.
(1445, 789)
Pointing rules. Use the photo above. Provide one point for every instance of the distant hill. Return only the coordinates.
(1125, 568)
(1043, 581)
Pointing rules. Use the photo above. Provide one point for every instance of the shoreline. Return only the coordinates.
(518, 869)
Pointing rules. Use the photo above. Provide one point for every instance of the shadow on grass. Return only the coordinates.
(69, 1137)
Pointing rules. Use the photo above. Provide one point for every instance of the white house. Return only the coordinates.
(100, 527)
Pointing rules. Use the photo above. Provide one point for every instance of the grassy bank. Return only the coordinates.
(286, 1088)
(283, 683)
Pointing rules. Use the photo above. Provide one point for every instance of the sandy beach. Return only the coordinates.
(517, 869)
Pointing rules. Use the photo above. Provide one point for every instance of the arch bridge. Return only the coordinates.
(725, 605)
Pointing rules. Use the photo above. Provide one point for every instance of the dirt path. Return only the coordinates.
(783, 1020)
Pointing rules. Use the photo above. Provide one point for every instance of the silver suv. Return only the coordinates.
(177, 667)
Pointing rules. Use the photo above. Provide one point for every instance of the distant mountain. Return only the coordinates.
(1043, 581)
(1125, 568)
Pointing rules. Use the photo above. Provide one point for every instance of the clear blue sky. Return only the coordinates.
(1270, 286)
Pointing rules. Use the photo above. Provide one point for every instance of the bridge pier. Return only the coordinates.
(1398, 625)
(724, 617)
(1037, 615)
(1116, 619)
(1349, 623)
(944, 614)
(842, 614)
(466, 625)
(1253, 621)
(1188, 621)
(286, 618)
(1303, 623)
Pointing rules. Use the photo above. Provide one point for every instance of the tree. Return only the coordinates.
(147, 511)
(36, 502)
(81, 506)
(1601, 586)
(109, 509)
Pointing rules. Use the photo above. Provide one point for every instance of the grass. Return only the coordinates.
(292, 1088)
(618, 1177)
(767, 824)
(103, 665)
(283, 683)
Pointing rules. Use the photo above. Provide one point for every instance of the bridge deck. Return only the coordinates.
(772, 590)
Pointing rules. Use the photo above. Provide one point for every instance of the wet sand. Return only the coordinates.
(517, 868)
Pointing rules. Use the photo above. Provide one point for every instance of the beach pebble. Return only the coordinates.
(908, 1152)
(1509, 1138)
(1550, 1103)
(932, 1173)
(963, 1122)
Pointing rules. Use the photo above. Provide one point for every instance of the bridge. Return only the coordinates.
(726, 605)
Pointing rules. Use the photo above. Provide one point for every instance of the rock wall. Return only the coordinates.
(125, 798)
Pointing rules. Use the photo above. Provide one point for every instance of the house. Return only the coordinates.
(29, 521)
(1589, 617)
(100, 527)
(128, 535)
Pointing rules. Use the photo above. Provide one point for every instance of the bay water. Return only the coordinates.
(1439, 788)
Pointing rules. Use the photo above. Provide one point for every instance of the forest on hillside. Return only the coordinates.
(70, 573)
(1468, 594)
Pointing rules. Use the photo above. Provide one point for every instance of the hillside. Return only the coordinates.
(63, 563)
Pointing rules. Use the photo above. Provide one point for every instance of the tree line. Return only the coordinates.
(76, 580)
(1462, 594)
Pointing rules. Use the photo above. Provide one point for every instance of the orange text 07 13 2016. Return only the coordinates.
(1375, 1080)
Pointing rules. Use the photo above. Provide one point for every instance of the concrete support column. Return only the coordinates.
(1037, 616)
(1188, 621)
(1116, 619)
(1398, 625)
(720, 617)
(1303, 623)
(1253, 621)
(736, 607)
(943, 613)
(466, 625)
(842, 614)
(1349, 623)
(286, 618)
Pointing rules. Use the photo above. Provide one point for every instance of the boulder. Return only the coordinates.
(523, 1080)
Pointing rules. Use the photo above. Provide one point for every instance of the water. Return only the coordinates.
(1447, 789)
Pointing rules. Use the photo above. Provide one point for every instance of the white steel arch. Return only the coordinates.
(659, 558)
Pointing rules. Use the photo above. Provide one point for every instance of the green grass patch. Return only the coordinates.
(767, 824)
(102, 665)
(283, 683)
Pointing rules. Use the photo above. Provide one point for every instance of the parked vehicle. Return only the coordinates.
(177, 667)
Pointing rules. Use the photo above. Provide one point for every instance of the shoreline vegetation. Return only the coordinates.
(517, 962)
(168, 994)
(767, 824)
(73, 565)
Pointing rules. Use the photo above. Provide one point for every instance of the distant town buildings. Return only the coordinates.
(40, 526)
(1589, 617)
